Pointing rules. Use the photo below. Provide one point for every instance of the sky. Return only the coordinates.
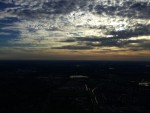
(75, 30)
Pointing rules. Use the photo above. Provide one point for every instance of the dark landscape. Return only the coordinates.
(74, 86)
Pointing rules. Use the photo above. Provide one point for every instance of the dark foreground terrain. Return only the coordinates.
(74, 87)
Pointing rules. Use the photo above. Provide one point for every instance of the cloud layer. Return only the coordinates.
(78, 26)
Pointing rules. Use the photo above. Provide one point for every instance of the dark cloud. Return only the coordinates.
(110, 50)
(74, 47)
(129, 9)
(145, 45)
(69, 40)
(58, 7)
(96, 41)
(140, 45)
(124, 8)
(119, 39)
(140, 30)
(140, 10)
(81, 39)
(32, 9)
(133, 45)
